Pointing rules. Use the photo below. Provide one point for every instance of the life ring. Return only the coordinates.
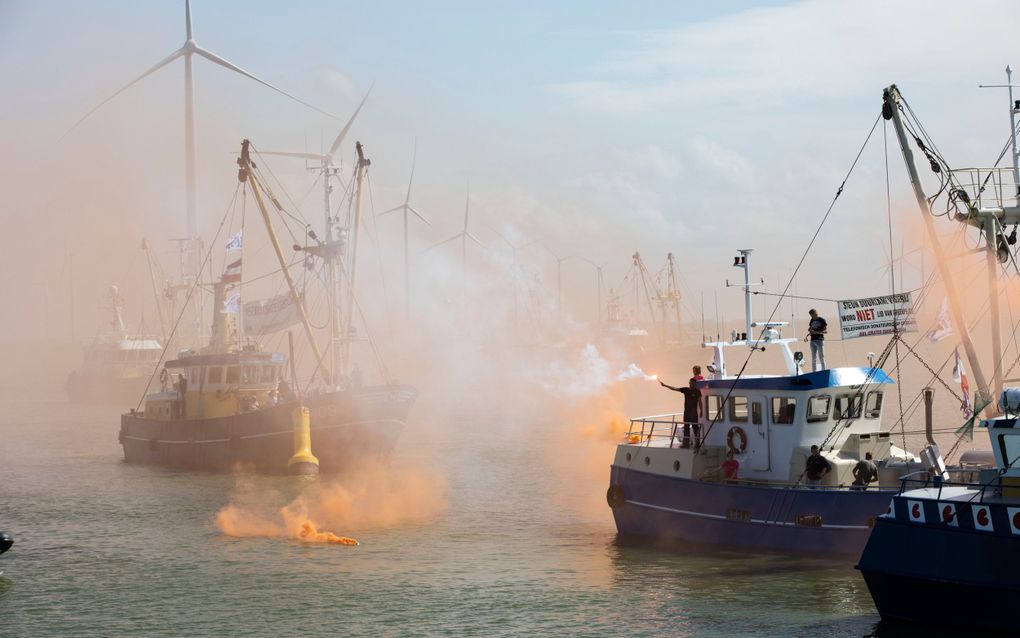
(736, 433)
(615, 496)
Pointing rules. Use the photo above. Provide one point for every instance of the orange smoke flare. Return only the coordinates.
(312, 535)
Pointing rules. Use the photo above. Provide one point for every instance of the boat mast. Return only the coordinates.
(643, 273)
(672, 295)
(891, 110)
(359, 175)
(247, 174)
(332, 250)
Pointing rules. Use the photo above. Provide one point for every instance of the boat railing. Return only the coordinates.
(958, 477)
(987, 187)
(661, 427)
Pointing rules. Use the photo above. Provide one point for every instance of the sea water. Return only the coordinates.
(103, 548)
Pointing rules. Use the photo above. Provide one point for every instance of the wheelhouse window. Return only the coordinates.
(848, 406)
(233, 375)
(756, 412)
(1009, 447)
(818, 408)
(873, 405)
(268, 374)
(194, 376)
(783, 410)
(713, 407)
(738, 409)
(215, 375)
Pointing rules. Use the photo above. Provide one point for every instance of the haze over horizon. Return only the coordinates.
(595, 129)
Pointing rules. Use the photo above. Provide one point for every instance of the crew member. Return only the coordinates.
(692, 411)
(816, 467)
(816, 335)
(864, 472)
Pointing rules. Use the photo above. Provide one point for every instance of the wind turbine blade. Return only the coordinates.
(445, 241)
(418, 215)
(467, 206)
(187, 17)
(410, 180)
(212, 57)
(473, 238)
(343, 132)
(159, 65)
(311, 156)
(395, 209)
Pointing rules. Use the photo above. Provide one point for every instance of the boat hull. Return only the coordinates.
(348, 428)
(935, 574)
(681, 510)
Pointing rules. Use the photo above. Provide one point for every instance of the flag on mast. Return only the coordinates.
(232, 304)
(232, 273)
(236, 242)
(960, 376)
(943, 324)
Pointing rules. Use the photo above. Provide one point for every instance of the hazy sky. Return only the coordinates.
(602, 128)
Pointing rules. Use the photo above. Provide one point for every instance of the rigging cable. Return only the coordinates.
(796, 270)
(187, 298)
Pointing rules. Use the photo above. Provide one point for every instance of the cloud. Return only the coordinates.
(758, 56)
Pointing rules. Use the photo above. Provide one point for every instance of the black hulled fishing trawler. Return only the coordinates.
(947, 551)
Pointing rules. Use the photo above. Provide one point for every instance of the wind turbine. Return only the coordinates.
(328, 170)
(330, 247)
(598, 286)
(463, 235)
(559, 277)
(515, 268)
(188, 49)
(406, 208)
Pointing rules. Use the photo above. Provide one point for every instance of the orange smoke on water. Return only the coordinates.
(374, 499)
(310, 534)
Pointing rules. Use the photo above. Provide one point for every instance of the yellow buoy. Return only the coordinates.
(303, 462)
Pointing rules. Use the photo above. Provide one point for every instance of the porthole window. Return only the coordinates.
(648, 461)
(676, 466)
(628, 456)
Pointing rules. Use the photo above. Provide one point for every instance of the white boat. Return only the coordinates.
(117, 366)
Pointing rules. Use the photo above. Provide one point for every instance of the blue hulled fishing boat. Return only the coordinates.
(745, 483)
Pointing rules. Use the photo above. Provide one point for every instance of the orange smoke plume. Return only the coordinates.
(310, 534)
(372, 499)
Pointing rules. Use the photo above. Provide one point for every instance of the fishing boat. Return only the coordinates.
(662, 489)
(230, 405)
(947, 550)
(117, 366)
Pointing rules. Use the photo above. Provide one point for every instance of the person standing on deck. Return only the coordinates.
(692, 411)
(816, 467)
(816, 334)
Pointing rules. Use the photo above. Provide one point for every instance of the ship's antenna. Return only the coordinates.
(1014, 107)
(718, 332)
(704, 337)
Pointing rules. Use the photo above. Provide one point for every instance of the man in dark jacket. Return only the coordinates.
(692, 411)
(816, 467)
